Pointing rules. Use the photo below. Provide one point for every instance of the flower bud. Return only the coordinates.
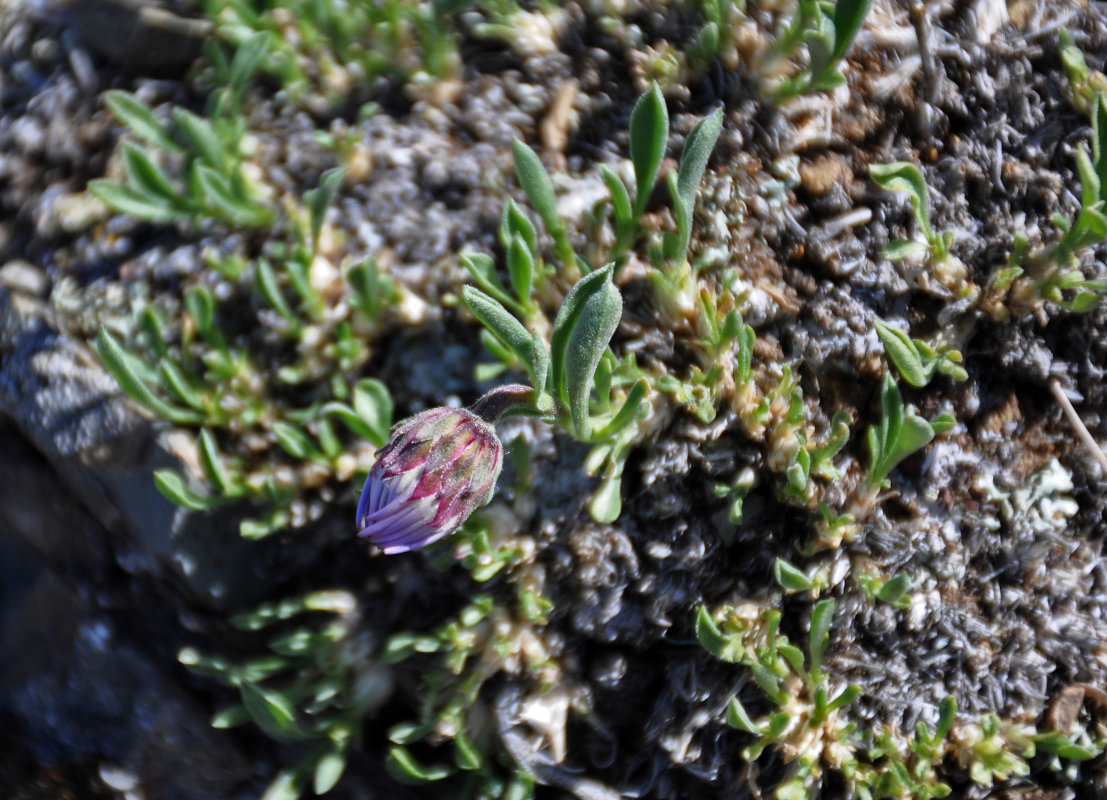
(438, 467)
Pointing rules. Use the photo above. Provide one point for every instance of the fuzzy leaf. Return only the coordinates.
(693, 161)
(903, 353)
(902, 176)
(649, 135)
(594, 320)
(483, 270)
(520, 267)
(904, 248)
(507, 329)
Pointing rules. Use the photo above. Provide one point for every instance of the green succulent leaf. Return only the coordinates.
(649, 135)
(904, 353)
(581, 333)
(270, 710)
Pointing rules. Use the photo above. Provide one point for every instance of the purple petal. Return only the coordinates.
(431, 536)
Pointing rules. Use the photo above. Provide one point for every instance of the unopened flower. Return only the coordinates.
(438, 467)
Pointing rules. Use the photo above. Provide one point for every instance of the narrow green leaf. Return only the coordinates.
(708, 633)
(212, 462)
(902, 176)
(633, 408)
(114, 358)
(620, 199)
(845, 697)
(139, 119)
(179, 385)
(173, 486)
(402, 766)
(736, 717)
(230, 717)
(125, 200)
(536, 183)
(821, 619)
(483, 270)
(288, 785)
(317, 200)
(466, 754)
(1099, 143)
(246, 60)
(515, 223)
(220, 200)
(265, 281)
(649, 136)
(270, 710)
(295, 442)
(147, 177)
(505, 327)
(894, 589)
(904, 248)
(520, 267)
(588, 339)
(607, 503)
(200, 305)
(1089, 179)
(373, 404)
(201, 137)
(693, 159)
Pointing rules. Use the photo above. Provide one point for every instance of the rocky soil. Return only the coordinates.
(999, 522)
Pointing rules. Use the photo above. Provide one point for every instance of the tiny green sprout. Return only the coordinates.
(893, 591)
(828, 29)
(900, 433)
(917, 361)
(902, 176)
